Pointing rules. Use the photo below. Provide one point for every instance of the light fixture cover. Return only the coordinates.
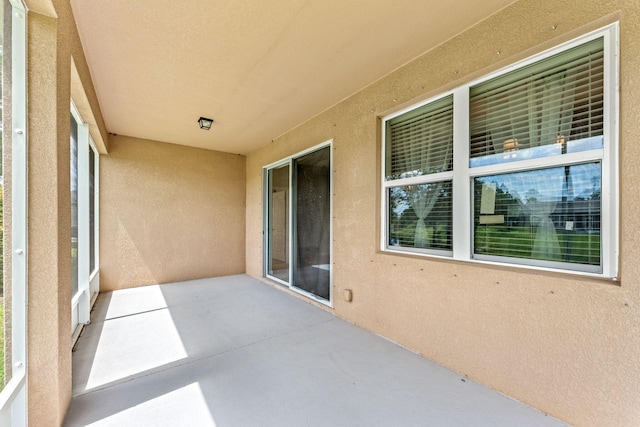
(205, 123)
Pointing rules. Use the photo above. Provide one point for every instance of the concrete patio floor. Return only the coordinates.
(233, 351)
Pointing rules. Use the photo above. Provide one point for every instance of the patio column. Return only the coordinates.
(49, 220)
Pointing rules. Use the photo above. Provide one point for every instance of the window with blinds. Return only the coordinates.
(534, 181)
(551, 215)
(420, 216)
(419, 144)
(552, 107)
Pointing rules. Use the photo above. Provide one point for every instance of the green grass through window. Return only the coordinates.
(518, 242)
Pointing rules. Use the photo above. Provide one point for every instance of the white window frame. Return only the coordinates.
(463, 175)
(13, 398)
(445, 176)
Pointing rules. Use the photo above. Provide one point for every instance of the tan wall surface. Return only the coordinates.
(53, 44)
(565, 344)
(169, 213)
(49, 222)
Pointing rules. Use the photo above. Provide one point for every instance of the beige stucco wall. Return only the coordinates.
(53, 46)
(49, 221)
(169, 213)
(565, 344)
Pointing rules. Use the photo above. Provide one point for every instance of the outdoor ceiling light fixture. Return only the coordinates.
(205, 123)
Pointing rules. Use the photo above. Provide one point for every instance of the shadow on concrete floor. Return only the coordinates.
(233, 351)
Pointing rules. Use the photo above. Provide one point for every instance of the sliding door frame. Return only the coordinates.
(266, 229)
(267, 221)
(88, 280)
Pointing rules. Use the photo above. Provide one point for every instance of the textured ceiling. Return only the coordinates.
(258, 68)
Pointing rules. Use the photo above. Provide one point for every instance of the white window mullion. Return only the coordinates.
(422, 179)
(610, 170)
(384, 197)
(544, 162)
(461, 181)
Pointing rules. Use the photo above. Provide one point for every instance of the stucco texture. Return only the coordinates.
(53, 45)
(49, 220)
(566, 344)
(169, 213)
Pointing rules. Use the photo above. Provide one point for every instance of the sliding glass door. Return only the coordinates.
(298, 223)
(278, 217)
(312, 207)
(84, 162)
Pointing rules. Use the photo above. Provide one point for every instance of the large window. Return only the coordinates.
(519, 167)
(419, 167)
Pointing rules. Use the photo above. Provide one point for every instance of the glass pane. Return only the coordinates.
(420, 142)
(92, 211)
(74, 206)
(279, 223)
(420, 216)
(548, 214)
(552, 107)
(312, 216)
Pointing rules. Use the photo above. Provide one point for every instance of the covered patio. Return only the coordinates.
(400, 213)
(230, 351)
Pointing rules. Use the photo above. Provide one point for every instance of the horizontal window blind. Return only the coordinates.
(537, 178)
(552, 101)
(420, 142)
(549, 214)
(420, 216)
